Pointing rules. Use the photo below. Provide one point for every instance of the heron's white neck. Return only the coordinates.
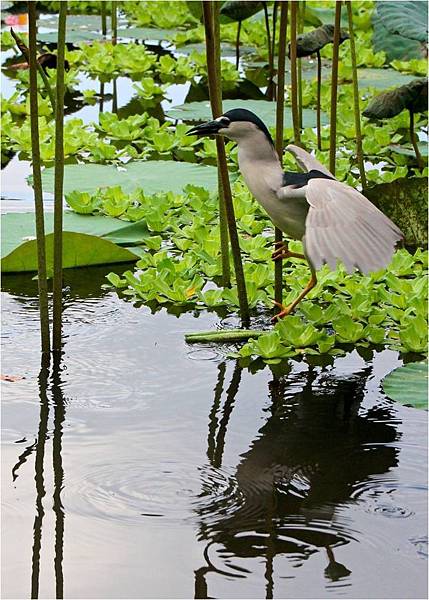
(259, 165)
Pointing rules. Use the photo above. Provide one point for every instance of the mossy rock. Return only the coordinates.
(405, 202)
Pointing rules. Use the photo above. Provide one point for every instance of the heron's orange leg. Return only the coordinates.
(282, 251)
(286, 310)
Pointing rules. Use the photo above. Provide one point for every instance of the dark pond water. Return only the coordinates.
(141, 467)
(146, 468)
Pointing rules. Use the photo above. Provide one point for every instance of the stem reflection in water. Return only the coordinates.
(56, 399)
(307, 459)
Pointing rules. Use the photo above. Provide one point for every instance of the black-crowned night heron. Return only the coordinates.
(334, 221)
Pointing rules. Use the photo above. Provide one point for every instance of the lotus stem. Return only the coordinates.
(273, 41)
(301, 15)
(229, 335)
(237, 45)
(37, 181)
(215, 92)
(281, 64)
(414, 141)
(319, 93)
(114, 19)
(359, 149)
(25, 53)
(334, 88)
(58, 184)
(223, 221)
(294, 84)
(270, 89)
(103, 18)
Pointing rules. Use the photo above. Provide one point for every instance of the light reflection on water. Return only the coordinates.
(136, 470)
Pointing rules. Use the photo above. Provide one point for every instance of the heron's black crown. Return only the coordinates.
(242, 114)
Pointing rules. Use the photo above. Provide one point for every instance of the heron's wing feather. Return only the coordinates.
(306, 161)
(343, 225)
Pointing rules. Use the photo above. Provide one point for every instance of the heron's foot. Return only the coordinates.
(282, 251)
(284, 311)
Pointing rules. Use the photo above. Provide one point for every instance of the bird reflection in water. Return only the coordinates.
(285, 495)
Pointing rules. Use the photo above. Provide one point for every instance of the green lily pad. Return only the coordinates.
(146, 33)
(407, 18)
(409, 150)
(382, 78)
(201, 111)
(88, 240)
(394, 45)
(152, 176)
(408, 384)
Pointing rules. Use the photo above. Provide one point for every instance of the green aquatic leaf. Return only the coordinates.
(18, 248)
(407, 18)
(395, 46)
(408, 384)
(79, 250)
(201, 111)
(151, 176)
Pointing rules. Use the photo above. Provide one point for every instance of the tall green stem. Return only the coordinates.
(58, 185)
(270, 90)
(114, 23)
(319, 93)
(281, 64)
(420, 162)
(25, 52)
(114, 40)
(334, 89)
(215, 91)
(294, 84)
(103, 18)
(359, 149)
(301, 16)
(223, 221)
(37, 181)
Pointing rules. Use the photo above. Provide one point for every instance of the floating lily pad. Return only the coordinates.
(406, 18)
(409, 150)
(151, 176)
(408, 384)
(201, 111)
(147, 33)
(87, 240)
(382, 78)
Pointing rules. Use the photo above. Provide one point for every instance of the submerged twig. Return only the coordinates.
(26, 54)
(215, 91)
(37, 181)
(58, 185)
(334, 88)
(278, 270)
(228, 335)
(359, 150)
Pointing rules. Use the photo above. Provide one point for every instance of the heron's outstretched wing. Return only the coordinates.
(343, 225)
(306, 161)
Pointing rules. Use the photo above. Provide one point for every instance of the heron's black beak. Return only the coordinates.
(209, 128)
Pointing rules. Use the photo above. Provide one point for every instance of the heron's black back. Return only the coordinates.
(299, 180)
